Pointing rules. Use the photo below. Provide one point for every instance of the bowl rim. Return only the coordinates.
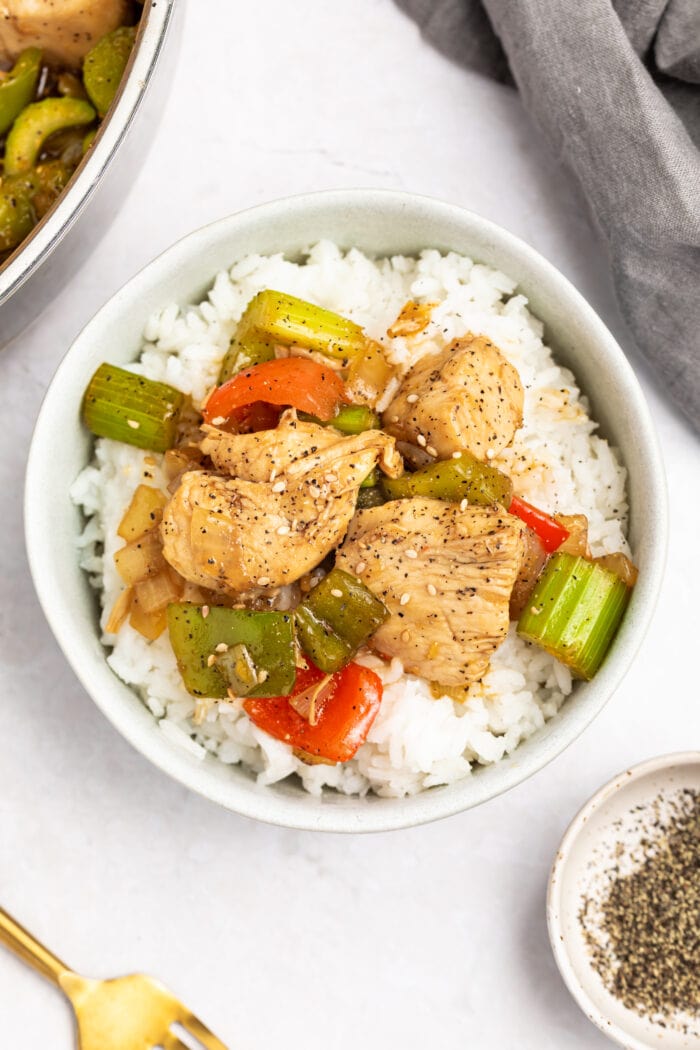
(262, 803)
(50, 231)
(557, 940)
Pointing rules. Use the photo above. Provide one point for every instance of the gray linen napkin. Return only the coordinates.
(615, 87)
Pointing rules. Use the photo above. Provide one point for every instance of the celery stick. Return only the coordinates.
(17, 86)
(104, 65)
(129, 408)
(574, 612)
(277, 319)
(36, 123)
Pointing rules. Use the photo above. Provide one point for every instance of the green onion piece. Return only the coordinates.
(201, 636)
(125, 407)
(36, 123)
(349, 419)
(277, 319)
(104, 65)
(17, 86)
(454, 479)
(370, 497)
(336, 618)
(574, 612)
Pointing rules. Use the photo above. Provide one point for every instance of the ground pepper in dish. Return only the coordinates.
(644, 932)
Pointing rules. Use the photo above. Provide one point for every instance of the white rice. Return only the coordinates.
(557, 462)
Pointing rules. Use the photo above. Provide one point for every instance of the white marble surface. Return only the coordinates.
(433, 937)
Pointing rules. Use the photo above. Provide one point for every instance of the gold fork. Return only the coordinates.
(126, 1013)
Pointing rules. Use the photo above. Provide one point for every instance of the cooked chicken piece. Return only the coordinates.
(288, 505)
(465, 398)
(291, 449)
(65, 30)
(445, 575)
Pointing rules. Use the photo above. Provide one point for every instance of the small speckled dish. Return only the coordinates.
(610, 818)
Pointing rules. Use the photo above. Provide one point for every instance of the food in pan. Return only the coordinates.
(350, 520)
(60, 69)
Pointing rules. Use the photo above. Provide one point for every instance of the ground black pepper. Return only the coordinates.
(643, 931)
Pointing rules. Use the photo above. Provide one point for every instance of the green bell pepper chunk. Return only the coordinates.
(36, 123)
(454, 480)
(17, 87)
(104, 66)
(336, 618)
(266, 637)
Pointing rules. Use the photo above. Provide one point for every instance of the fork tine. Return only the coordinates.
(200, 1031)
(172, 1042)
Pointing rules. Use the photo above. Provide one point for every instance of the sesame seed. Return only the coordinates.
(405, 636)
(315, 491)
(133, 424)
(283, 530)
(464, 504)
(412, 398)
(211, 660)
(360, 567)
(411, 553)
(535, 610)
(456, 455)
(431, 450)
(205, 611)
(218, 421)
(221, 647)
(337, 593)
(490, 453)
(421, 441)
(405, 598)
(330, 478)
(263, 581)
(279, 486)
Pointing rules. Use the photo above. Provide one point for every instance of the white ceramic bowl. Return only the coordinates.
(382, 223)
(587, 849)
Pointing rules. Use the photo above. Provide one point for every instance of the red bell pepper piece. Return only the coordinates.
(296, 381)
(345, 710)
(550, 532)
